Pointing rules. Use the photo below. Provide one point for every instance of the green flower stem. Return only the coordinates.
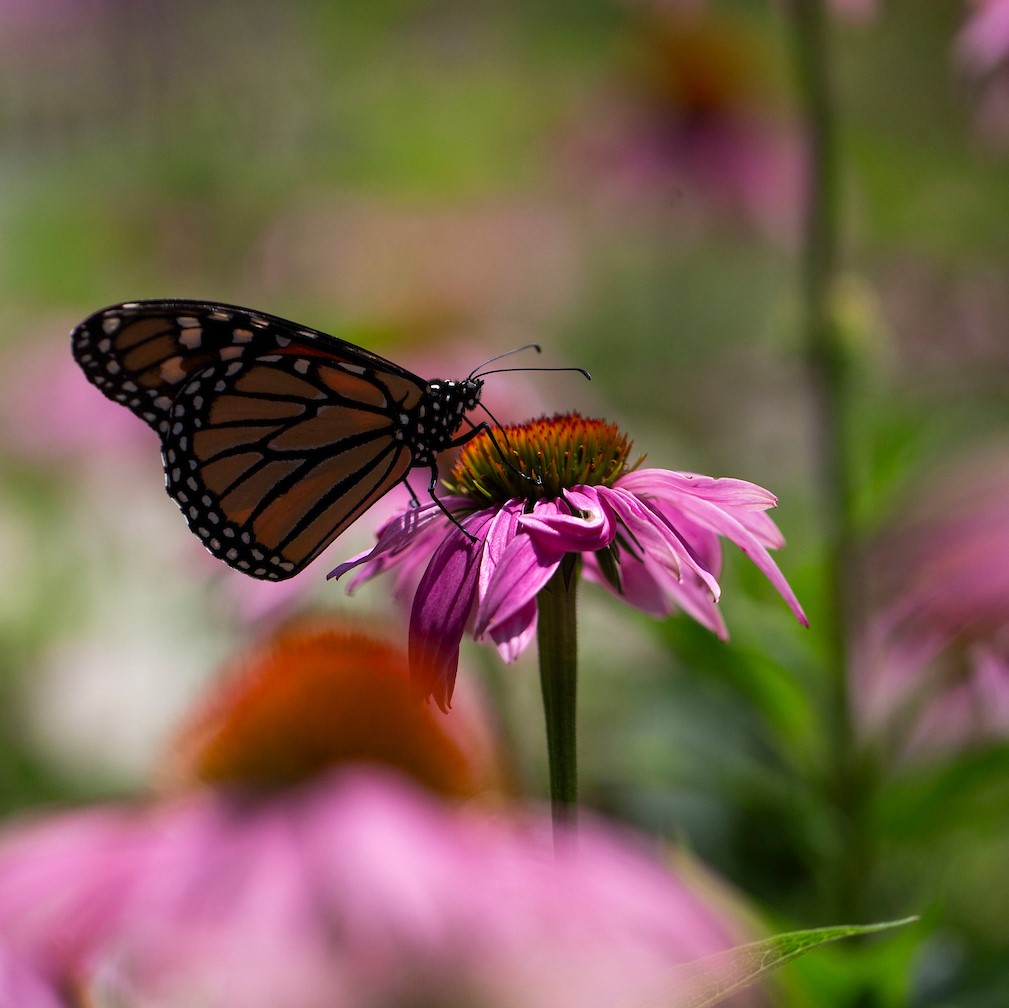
(557, 637)
(828, 376)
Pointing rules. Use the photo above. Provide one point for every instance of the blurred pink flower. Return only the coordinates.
(353, 891)
(934, 669)
(696, 114)
(49, 412)
(983, 43)
(21, 986)
(650, 535)
(982, 51)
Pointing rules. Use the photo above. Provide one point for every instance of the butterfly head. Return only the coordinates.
(457, 397)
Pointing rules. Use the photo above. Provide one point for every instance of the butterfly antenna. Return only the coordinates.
(505, 370)
(508, 353)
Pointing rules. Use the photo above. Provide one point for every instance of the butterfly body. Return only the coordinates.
(275, 437)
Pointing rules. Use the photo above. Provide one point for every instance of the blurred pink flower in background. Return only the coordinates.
(353, 891)
(984, 41)
(294, 875)
(21, 986)
(697, 114)
(51, 414)
(982, 51)
(934, 670)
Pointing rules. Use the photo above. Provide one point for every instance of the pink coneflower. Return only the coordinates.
(933, 671)
(650, 536)
(982, 51)
(294, 876)
(506, 564)
(21, 986)
(354, 891)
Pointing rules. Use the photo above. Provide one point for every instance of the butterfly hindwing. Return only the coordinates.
(271, 459)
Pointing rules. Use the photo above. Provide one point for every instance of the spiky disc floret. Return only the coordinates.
(553, 454)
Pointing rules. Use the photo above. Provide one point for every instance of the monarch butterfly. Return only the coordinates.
(275, 437)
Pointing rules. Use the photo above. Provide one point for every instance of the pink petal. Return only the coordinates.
(726, 492)
(641, 586)
(442, 606)
(22, 985)
(501, 531)
(523, 569)
(651, 588)
(513, 635)
(695, 600)
(728, 525)
(661, 541)
(404, 532)
(554, 527)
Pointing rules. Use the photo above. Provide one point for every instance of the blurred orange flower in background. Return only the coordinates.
(320, 692)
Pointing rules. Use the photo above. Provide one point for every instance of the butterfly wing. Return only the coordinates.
(275, 437)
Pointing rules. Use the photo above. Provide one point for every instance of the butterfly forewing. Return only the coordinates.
(275, 437)
(142, 353)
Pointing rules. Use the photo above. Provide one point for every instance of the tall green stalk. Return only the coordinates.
(828, 379)
(557, 638)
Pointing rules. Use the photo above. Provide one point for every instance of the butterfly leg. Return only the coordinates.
(485, 428)
(414, 499)
(435, 476)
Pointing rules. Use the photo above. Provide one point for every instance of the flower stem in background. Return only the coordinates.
(828, 380)
(557, 637)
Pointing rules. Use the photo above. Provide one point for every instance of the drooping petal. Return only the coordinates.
(442, 607)
(513, 635)
(661, 541)
(522, 570)
(653, 589)
(725, 523)
(746, 501)
(400, 535)
(500, 532)
(639, 584)
(695, 600)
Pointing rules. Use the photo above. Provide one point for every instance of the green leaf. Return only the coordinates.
(705, 982)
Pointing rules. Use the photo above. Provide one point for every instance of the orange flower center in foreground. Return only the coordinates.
(554, 452)
(315, 696)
